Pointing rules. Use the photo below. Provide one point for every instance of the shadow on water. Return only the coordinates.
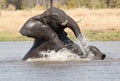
(12, 68)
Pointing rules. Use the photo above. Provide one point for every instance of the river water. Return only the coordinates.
(12, 68)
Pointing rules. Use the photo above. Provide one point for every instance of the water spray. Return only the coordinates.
(83, 46)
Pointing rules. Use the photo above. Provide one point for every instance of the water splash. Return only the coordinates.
(65, 54)
(83, 46)
(62, 55)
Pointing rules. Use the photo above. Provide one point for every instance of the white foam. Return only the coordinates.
(62, 55)
(82, 43)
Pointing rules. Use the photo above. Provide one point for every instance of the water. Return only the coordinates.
(80, 43)
(12, 68)
(83, 46)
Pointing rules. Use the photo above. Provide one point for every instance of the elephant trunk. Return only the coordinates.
(81, 42)
(70, 23)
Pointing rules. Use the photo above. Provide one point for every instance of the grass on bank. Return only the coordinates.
(9, 36)
(99, 35)
(101, 24)
(92, 35)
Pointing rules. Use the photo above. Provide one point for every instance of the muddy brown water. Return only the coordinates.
(12, 68)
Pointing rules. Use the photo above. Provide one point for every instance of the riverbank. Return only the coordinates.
(102, 24)
(91, 35)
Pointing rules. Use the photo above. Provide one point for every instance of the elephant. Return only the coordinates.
(48, 31)
(54, 19)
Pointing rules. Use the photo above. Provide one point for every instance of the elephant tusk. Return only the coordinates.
(64, 23)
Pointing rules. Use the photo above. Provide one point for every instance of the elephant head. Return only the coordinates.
(58, 20)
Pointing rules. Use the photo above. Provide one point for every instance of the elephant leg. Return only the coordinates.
(41, 45)
(63, 37)
(97, 53)
(34, 51)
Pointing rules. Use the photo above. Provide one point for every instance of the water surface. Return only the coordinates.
(12, 68)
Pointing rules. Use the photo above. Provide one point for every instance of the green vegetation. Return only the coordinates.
(103, 35)
(100, 35)
(9, 36)
(92, 35)
(95, 19)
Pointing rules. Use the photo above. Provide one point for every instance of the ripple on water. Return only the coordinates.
(12, 68)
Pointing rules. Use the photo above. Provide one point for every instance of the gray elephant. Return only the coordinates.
(48, 31)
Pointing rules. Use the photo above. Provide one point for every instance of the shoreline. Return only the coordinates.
(91, 35)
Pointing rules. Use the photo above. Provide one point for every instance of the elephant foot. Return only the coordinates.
(97, 52)
(102, 56)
